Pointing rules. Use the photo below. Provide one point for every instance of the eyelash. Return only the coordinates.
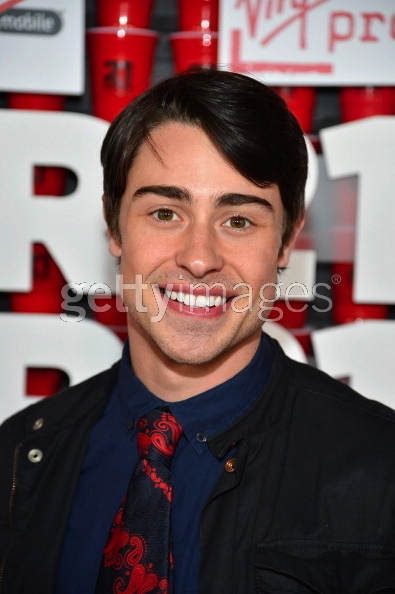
(171, 212)
(156, 212)
(248, 223)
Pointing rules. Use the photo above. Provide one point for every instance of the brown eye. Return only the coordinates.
(164, 214)
(237, 222)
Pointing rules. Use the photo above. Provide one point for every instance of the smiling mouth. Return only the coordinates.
(203, 301)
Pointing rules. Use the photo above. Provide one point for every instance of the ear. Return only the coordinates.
(114, 245)
(286, 249)
(114, 242)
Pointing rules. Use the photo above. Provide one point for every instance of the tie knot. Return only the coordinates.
(158, 435)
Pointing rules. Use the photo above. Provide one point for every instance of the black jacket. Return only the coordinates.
(305, 505)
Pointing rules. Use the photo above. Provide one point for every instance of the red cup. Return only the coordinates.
(301, 101)
(121, 63)
(198, 15)
(194, 48)
(113, 318)
(122, 13)
(48, 181)
(45, 296)
(290, 318)
(362, 102)
(42, 381)
(344, 309)
(36, 101)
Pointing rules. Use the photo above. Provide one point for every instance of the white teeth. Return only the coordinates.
(201, 301)
(193, 301)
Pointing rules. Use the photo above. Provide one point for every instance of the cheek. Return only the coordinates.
(143, 256)
(259, 263)
(268, 292)
(263, 278)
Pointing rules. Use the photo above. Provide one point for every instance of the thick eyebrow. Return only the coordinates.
(242, 199)
(173, 192)
(181, 194)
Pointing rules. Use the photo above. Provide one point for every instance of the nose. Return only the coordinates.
(199, 252)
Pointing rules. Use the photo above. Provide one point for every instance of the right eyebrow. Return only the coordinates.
(173, 192)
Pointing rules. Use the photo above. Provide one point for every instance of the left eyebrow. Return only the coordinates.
(242, 199)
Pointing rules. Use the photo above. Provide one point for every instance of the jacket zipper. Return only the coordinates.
(11, 513)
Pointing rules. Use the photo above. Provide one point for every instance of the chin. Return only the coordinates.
(189, 356)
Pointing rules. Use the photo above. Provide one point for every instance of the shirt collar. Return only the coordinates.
(209, 413)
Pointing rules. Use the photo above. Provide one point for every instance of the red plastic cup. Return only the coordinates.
(48, 181)
(43, 381)
(301, 101)
(194, 49)
(122, 13)
(198, 15)
(113, 318)
(344, 309)
(121, 63)
(362, 102)
(36, 101)
(45, 296)
(290, 318)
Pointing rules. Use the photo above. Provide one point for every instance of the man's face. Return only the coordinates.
(188, 218)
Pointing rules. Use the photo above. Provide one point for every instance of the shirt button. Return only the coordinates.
(201, 438)
(38, 423)
(230, 465)
(35, 455)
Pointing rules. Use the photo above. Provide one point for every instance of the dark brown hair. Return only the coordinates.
(249, 124)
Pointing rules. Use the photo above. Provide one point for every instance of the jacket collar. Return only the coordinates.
(266, 411)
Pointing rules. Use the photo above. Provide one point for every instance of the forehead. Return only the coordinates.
(171, 147)
(183, 155)
(179, 163)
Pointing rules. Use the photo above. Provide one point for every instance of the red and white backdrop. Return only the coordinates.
(52, 232)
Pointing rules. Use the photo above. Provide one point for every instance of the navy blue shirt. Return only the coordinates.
(112, 455)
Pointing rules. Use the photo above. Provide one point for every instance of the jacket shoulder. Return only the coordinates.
(340, 418)
(317, 383)
(68, 403)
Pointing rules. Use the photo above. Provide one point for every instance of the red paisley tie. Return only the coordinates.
(137, 558)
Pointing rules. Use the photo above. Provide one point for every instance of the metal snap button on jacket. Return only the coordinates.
(230, 465)
(35, 455)
(38, 423)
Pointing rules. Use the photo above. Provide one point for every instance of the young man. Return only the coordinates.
(282, 477)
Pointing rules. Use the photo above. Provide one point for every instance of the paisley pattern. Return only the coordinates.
(158, 482)
(163, 435)
(125, 553)
(137, 558)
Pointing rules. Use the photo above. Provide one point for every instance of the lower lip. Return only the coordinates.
(201, 312)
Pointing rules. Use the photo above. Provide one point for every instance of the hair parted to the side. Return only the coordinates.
(249, 124)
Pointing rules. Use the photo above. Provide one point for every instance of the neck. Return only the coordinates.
(172, 381)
